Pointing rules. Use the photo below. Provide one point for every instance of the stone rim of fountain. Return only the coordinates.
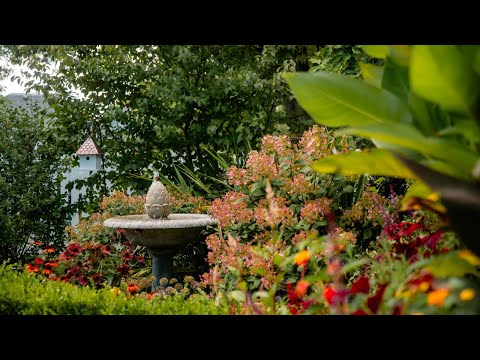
(172, 221)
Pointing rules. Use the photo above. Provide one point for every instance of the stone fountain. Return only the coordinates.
(159, 231)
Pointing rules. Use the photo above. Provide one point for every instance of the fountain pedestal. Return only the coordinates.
(162, 265)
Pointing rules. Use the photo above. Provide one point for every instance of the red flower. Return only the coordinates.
(74, 249)
(36, 242)
(301, 288)
(32, 268)
(373, 302)
(294, 304)
(132, 288)
(408, 229)
(424, 276)
(328, 294)
(396, 231)
(106, 249)
(48, 267)
(83, 280)
(97, 278)
(127, 256)
(293, 309)
(333, 296)
(140, 259)
(39, 261)
(358, 312)
(292, 296)
(49, 249)
(361, 285)
(123, 269)
(431, 241)
(397, 309)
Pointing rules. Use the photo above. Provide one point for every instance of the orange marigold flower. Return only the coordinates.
(301, 288)
(32, 268)
(36, 242)
(49, 249)
(132, 288)
(47, 271)
(302, 257)
(467, 294)
(437, 297)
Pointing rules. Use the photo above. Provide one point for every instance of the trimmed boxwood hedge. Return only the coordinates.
(22, 293)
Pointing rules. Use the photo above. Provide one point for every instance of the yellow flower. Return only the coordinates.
(470, 257)
(437, 297)
(467, 294)
(423, 286)
(115, 291)
(302, 257)
(407, 294)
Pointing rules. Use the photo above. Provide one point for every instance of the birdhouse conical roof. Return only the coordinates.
(89, 148)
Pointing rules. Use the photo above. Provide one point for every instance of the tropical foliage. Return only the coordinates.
(419, 109)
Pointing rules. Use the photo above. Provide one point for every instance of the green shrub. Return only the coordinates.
(278, 201)
(31, 207)
(24, 294)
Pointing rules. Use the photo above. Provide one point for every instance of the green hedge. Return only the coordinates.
(23, 294)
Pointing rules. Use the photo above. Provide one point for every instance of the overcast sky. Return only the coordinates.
(11, 87)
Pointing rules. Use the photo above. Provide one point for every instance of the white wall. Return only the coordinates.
(85, 169)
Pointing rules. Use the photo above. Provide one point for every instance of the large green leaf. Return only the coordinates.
(395, 79)
(371, 73)
(442, 74)
(400, 54)
(472, 52)
(452, 264)
(476, 62)
(405, 135)
(376, 51)
(420, 110)
(417, 189)
(339, 100)
(465, 127)
(445, 168)
(378, 162)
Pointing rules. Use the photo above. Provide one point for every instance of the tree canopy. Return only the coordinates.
(149, 107)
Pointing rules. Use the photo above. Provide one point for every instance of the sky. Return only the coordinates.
(11, 87)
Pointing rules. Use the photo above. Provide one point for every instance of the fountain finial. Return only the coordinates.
(157, 204)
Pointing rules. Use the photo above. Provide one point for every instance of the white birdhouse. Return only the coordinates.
(90, 155)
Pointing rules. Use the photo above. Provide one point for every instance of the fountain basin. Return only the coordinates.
(162, 237)
(165, 233)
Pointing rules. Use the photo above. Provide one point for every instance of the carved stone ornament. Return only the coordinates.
(157, 204)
